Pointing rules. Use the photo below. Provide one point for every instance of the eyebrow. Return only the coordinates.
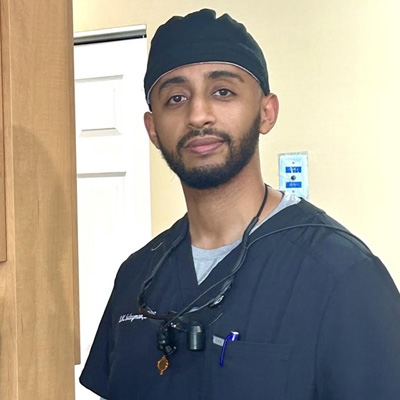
(171, 81)
(224, 74)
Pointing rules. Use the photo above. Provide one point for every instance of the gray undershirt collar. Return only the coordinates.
(206, 260)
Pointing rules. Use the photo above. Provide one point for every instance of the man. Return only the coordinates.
(254, 294)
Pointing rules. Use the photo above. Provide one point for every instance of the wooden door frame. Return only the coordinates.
(39, 321)
(3, 233)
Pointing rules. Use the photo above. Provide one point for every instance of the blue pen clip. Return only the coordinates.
(232, 337)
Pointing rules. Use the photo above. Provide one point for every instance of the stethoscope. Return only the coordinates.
(181, 320)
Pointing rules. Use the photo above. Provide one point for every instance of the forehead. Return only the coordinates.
(205, 71)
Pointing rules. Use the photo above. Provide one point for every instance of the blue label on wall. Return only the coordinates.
(293, 185)
(293, 170)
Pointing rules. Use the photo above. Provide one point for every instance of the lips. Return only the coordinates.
(204, 145)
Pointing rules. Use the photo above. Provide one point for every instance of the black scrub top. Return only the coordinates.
(317, 313)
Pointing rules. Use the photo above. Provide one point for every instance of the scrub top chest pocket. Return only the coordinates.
(251, 371)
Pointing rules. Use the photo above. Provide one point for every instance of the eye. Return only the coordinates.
(223, 92)
(178, 98)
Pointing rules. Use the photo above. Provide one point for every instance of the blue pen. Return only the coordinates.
(232, 337)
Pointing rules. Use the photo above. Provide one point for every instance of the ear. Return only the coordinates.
(269, 113)
(151, 131)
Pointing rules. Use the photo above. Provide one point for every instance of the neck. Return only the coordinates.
(220, 215)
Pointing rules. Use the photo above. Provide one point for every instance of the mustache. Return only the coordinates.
(203, 132)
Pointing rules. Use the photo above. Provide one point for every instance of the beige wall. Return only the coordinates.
(335, 67)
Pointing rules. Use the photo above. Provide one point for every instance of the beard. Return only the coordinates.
(210, 176)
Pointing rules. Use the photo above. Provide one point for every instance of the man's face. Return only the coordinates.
(206, 122)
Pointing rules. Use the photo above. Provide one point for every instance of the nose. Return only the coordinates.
(200, 113)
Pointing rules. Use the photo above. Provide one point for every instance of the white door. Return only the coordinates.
(113, 173)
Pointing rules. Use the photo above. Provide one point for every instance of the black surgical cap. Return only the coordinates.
(200, 37)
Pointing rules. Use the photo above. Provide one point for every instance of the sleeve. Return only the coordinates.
(95, 374)
(358, 354)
